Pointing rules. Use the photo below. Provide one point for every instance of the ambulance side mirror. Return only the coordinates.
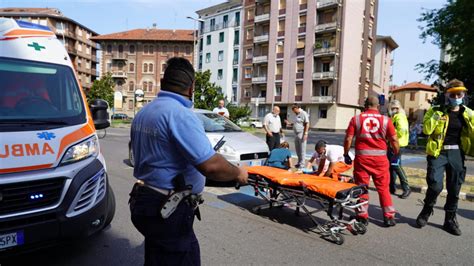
(99, 112)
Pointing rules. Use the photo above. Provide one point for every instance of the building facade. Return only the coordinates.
(317, 53)
(137, 61)
(219, 43)
(415, 98)
(76, 38)
(383, 62)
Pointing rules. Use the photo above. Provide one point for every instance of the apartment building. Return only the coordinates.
(75, 37)
(137, 60)
(415, 98)
(219, 43)
(317, 53)
(383, 62)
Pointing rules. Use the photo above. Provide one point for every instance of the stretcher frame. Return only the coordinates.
(276, 195)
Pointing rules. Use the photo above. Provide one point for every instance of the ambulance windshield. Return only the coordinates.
(38, 95)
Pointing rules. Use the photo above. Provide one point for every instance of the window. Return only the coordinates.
(219, 74)
(131, 67)
(426, 97)
(412, 96)
(145, 86)
(282, 4)
(234, 94)
(176, 50)
(130, 104)
(164, 49)
(201, 43)
(150, 86)
(300, 66)
(236, 37)
(208, 40)
(163, 67)
(145, 49)
(145, 68)
(150, 68)
(248, 72)
(326, 67)
(220, 57)
(281, 25)
(213, 24)
(324, 91)
(237, 18)
(323, 112)
(235, 75)
(250, 14)
(131, 49)
(302, 21)
(109, 66)
(208, 57)
(188, 50)
(120, 66)
(278, 91)
(249, 34)
(236, 57)
(249, 53)
(225, 21)
(131, 86)
(79, 47)
(152, 49)
(221, 37)
(120, 48)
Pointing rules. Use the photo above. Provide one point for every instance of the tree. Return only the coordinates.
(102, 89)
(207, 96)
(452, 29)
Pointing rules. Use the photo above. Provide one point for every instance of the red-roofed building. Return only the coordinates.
(415, 98)
(137, 60)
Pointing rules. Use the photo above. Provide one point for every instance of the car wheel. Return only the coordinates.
(252, 125)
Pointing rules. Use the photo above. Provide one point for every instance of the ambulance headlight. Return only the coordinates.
(81, 151)
(227, 150)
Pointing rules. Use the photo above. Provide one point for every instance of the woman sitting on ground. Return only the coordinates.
(281, 157)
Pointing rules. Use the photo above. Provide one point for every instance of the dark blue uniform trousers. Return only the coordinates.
(168, 241)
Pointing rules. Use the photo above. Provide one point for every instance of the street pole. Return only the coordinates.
(194, 46)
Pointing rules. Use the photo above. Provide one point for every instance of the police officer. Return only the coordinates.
(400, 122)
(173, 158)
(372, 131)
(450, 136)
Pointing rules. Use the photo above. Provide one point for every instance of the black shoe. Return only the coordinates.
(424, 215)
(392, 191)
(451, 224)
(389, 221)
(405, 194)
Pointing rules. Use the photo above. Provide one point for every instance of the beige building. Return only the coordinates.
(415, 98)
(137, 61)
(317, 53)
(383, 62)
(75, 37)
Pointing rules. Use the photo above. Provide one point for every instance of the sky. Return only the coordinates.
(396, 18)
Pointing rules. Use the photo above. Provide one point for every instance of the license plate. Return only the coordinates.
(255, 163)
(11, 239)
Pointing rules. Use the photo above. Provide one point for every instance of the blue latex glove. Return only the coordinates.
(347, 159)
(395, 161)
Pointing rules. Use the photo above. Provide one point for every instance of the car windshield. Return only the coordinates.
(217, 123)
(38, 95)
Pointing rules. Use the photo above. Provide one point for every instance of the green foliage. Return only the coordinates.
(210, 92)
(237, 112)
(102, 89)
(451, 27)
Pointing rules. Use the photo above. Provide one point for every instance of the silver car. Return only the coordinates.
(240, 148)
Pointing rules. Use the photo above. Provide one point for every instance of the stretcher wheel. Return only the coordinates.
(360, 228)
(338, 238)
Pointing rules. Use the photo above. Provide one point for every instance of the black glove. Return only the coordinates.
(347, 159)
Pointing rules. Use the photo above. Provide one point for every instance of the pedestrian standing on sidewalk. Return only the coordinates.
(301, 129)
(221, 110)
(450, 131)
(372, 132)
(173, 157)
(400, 122)
(272, 126)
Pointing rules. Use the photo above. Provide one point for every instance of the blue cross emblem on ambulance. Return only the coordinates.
(46, 135)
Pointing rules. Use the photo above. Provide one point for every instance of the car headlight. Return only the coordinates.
(227, 150)
(81, 151)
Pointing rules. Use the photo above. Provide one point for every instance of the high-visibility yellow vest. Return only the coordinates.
(400, 122)
(435, 125)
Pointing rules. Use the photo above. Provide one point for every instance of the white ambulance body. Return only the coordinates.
(53, 179)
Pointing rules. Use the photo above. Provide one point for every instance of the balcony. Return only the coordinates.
(279, 55)
(257, 100)
(324, 75)
(119, 56)
(278, 98)
(262, 18)
(326, 27)
(299, 75)
(119, 74)
(260, 59)
(300, 52)
(324, 51)
(258, 80)
(261, 38)
(278, 77)
(323, 99)
(327, 3)
(298, 98)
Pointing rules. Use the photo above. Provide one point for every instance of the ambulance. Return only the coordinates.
(53, 178)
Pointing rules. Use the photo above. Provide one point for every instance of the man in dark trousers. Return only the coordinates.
(173, 158)
(272, 126)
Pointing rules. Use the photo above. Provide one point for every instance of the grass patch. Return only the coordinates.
(120, 123)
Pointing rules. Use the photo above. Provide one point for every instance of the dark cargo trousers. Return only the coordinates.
(397, 170)
(451, 162)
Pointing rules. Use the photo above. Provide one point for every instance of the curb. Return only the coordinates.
(462, 195)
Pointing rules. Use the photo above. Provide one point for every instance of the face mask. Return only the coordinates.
(455, 101)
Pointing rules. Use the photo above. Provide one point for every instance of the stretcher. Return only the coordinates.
(279, 188)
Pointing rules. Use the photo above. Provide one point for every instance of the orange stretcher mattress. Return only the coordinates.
(321, 185)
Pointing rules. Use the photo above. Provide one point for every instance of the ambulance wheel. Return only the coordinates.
(360, 228)
(111, 206)
(338, 238)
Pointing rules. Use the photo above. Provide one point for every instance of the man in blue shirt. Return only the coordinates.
(172, 153)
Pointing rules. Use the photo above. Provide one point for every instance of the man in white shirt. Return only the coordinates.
(272, 125)
(221, 110)
(329, 160)
(300, 128)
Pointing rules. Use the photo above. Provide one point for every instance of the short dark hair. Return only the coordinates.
(179, 74)
(320, 144)
(295, 106)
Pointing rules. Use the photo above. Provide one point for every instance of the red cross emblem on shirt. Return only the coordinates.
(371, 125)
